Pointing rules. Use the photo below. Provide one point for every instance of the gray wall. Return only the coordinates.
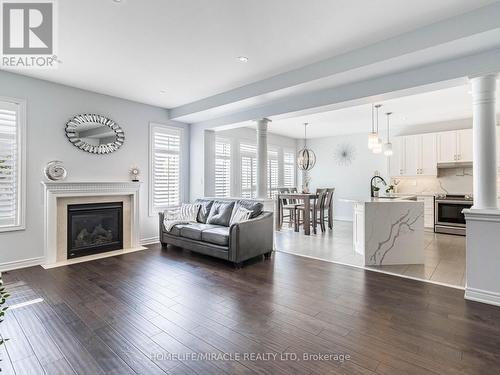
(351, 181)
(49, 106)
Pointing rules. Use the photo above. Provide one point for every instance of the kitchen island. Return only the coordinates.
(388, 230)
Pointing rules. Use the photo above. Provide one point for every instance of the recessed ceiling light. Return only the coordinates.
(163, 91)
(243, 59)
(117, 1)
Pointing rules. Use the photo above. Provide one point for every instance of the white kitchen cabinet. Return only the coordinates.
(411, 152)
(397, 160)
(358, 233)
(464, 145)
(446, 147)
(454, 146)
(416, 155)
(428, 210)
(427, 154)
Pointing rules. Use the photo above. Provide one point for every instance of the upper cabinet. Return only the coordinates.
(427, 157)
(416, 155)
(464, 145)
(446, 147)
(454, 146)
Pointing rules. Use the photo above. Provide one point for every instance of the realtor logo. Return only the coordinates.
(28, 30)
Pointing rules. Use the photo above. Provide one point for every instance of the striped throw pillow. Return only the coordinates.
(188, 212)
(240, 215)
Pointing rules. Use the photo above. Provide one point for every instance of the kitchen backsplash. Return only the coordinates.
(450, 181)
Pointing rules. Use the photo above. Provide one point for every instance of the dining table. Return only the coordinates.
(309, 200)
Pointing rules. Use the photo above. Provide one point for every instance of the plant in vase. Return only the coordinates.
(389, 190)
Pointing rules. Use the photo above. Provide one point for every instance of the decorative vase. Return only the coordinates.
(376, 193)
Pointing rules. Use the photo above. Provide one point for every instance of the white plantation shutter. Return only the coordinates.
(248, 170)
(272, 173)
(10, 166)
(222, 168)
(166, 173)
(289, 168)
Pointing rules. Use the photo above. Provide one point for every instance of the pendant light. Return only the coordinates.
(377, 148)
(388, 144)
(306, 158)
(372, 137)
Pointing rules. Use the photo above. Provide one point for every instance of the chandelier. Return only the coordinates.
(306, 157)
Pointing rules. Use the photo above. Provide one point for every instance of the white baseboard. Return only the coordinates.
(14, 265)
(343, 218)
(483, 296)
(149, 241)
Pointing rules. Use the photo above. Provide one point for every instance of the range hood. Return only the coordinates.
(455, 164)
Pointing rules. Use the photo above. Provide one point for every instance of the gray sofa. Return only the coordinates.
(235, 243)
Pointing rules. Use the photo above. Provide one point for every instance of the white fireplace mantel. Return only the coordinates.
(68, 189)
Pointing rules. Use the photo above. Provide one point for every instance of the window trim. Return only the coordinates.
(293, 164)
(21, 139)
(152, 125)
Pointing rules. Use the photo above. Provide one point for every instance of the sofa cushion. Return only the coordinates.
(193, 231)
(255, 207)
(206, 205)
(218, 236)
(176, 230)
(220, 213)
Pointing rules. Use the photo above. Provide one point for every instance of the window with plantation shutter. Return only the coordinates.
(289, 168)
(11, 165)
(248, 159)
(222, 168)
(272, 173)
(165, 184)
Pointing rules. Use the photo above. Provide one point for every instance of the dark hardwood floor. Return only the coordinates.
(155, 311)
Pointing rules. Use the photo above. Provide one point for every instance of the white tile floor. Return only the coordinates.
(444, 254)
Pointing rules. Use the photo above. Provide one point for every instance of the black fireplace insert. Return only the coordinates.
(94, 228)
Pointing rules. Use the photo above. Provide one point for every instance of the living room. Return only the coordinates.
(184, 190)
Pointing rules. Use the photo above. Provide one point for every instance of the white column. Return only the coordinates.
(484, 142)
(262, 157)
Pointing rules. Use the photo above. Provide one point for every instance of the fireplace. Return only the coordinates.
(94, 228)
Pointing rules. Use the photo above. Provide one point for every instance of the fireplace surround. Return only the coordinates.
(58, 195)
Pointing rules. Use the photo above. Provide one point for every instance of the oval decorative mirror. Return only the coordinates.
(95, 133)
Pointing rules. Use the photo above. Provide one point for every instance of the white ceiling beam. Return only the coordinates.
(381, 88)
(463, 26)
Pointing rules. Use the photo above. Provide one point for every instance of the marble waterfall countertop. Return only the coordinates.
(389, 231)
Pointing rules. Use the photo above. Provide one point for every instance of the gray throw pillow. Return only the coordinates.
(220, 213)
(255, 207)
(206, 205)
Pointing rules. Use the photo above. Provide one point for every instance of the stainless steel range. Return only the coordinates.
(448, 216)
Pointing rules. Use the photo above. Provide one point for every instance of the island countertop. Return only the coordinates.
(383, 199)
(388, 230)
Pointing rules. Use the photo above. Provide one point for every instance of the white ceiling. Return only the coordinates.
(136, 48)
(431, 107)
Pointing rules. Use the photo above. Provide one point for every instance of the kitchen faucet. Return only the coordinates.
(371, 183)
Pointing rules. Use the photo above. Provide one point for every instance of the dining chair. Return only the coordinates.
(315, 208)
(328, 207)
(287, 205)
